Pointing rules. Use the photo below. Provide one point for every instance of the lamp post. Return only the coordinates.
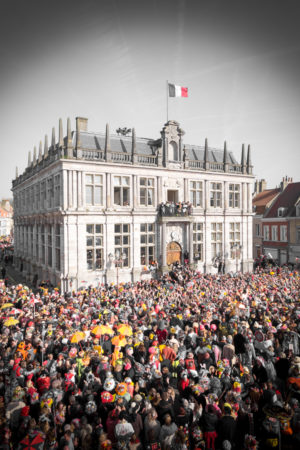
(119, 258)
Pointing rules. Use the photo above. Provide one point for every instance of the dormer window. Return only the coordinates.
(281, 212)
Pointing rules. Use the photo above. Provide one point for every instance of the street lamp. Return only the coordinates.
(236, 247)
(118, 259)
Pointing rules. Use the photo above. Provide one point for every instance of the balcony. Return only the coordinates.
(171, 209)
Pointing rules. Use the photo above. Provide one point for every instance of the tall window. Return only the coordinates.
(274, 233)
(146, 191)
(216, 195)
(147, 243)
(198, 241)
(37, 196)
(50, 192)
(57, 247)
(94, 246)
(31, 240)
(257, 229)
(43, 245)
(43, 194)
(49, 242)
(122, 241)
(283, 233)
(234, 238)
(234, 195)
(266, 233)
(37, 242)
(297, 235)
(32, 199)
(57, 190)
(121, 191)
(196, 193)
(93, 189)
(216, 239)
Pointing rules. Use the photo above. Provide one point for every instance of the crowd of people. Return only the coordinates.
(207, 362)
(175, 209)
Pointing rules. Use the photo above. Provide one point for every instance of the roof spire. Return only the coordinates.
(206, 163)
(17, 172)
(249, 163)
(46, 146)
(225, 157)
(107, 138)
(34, 155)
(53, 138)
(69, 139)
(29, 158)
(40, 152)
(243, 159)
(60, 133)
(133, 147)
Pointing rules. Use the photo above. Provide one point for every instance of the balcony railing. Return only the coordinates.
(171, 209)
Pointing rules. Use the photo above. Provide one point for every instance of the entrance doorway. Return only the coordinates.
(173, 196)
(173, 253)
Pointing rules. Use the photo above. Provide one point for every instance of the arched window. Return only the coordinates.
(173, 151)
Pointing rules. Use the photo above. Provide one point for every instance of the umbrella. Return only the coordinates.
(125, 330)
(119, 341)
(10, 322)
(7, 305)
(77, 337)
(30, 442)
(15, 311)
(98, 349)
(100, 330)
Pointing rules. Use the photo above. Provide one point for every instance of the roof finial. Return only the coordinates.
(34, 155)
(17, 172)
(53, 138)
(225, 157)
(29, 158)
(243, 159)
(249, 163)
(107, 138)
(40, 152)
(206, 163)
(46, 146)
(60, 133)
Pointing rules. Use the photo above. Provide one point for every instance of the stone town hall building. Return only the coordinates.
(96, 207)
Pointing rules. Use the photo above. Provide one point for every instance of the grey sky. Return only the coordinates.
(109, 61)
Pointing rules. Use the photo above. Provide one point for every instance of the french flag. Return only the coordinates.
(177, 91)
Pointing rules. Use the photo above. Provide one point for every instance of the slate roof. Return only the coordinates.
(145, 146)
(262, 200)
(287, 199)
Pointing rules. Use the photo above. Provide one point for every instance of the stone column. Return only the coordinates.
(79, 189)
(70, 189)
(191, 246)
(74, 188)
(226, 195)
(135, 191)
(159, 190)
(163, 246)
(249, 195)
(108, 190)
(206, 199)
(186, 189)
(244, 204)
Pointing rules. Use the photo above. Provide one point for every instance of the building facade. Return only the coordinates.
(6, 219)
(94, 208)
(281, 225)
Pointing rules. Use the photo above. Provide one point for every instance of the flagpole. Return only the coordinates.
(167, 100)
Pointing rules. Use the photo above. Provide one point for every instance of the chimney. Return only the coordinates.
(262, 185)
(285, 182)
(81, 125)
(60, 134)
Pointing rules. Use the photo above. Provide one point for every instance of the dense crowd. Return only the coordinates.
(185, 362)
